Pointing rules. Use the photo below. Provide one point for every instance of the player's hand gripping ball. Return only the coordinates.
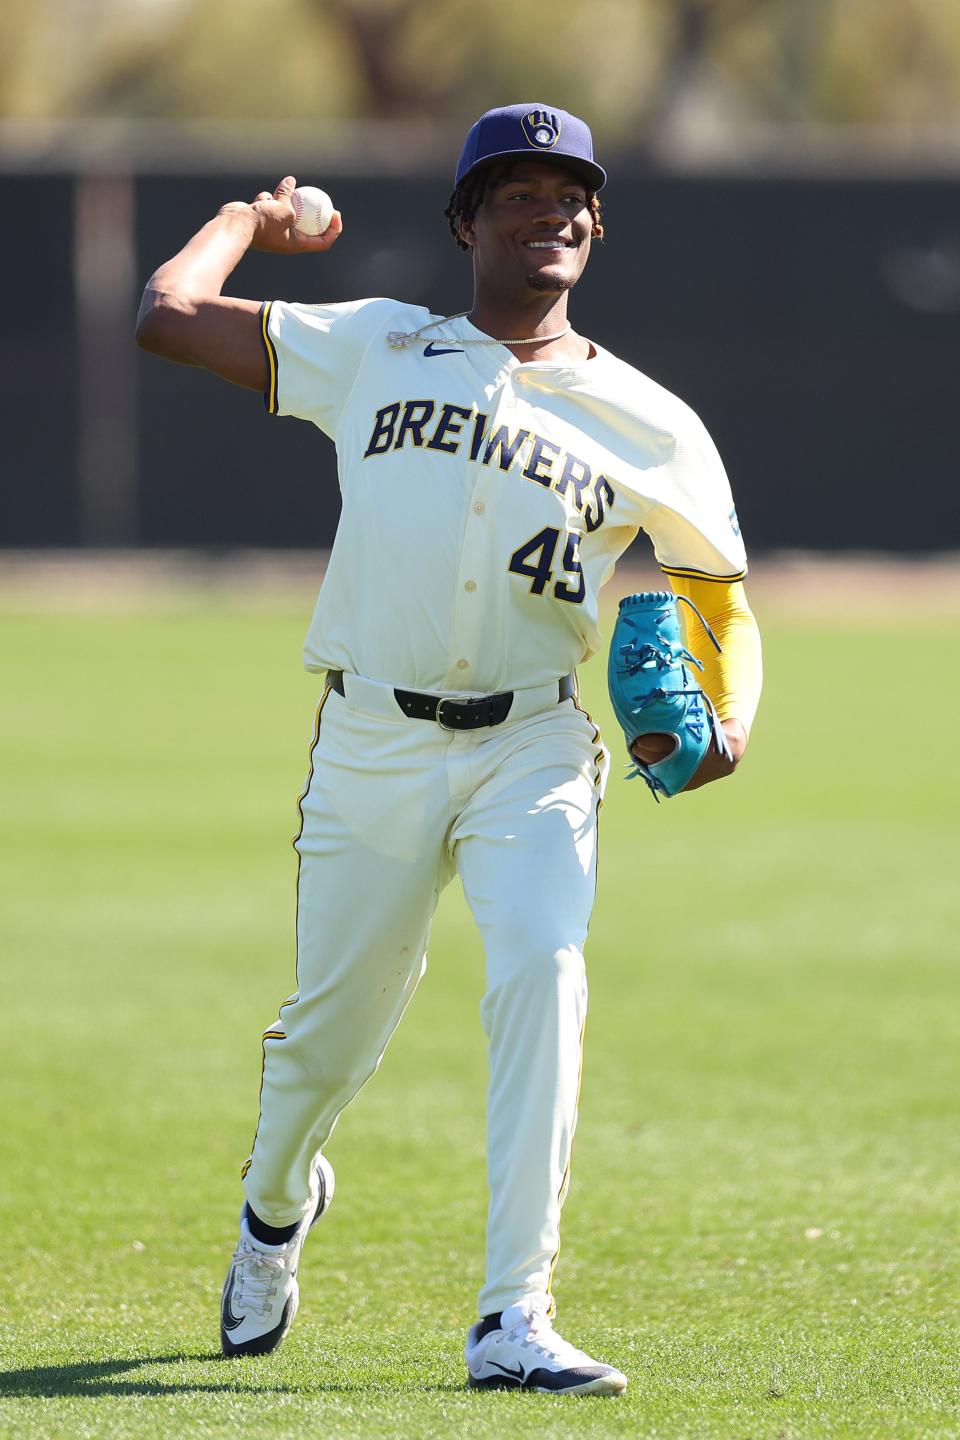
(654, 693)
(313, 208)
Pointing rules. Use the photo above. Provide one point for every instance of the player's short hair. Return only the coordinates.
(468, 196)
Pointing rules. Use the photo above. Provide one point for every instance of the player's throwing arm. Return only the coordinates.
(184, 317)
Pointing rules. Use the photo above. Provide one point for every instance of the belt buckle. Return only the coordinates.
(444, 700)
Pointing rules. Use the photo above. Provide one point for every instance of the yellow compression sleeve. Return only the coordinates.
(732, 679)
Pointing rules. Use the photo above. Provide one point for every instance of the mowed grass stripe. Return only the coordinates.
(761, 1227)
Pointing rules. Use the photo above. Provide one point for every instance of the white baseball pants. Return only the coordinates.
(393, 807)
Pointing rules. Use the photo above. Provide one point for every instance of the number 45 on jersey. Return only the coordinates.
(535, 558)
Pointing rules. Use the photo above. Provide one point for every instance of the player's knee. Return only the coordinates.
(544, 967)
(325, 1066)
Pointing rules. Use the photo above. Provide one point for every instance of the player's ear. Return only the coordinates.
(468, 232)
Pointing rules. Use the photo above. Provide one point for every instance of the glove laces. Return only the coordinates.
(647, 656)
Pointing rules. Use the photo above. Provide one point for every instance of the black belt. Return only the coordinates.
(449, 714)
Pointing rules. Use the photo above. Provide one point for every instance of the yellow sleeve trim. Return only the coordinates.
(685, 574)
(734, 678)
(270, 394)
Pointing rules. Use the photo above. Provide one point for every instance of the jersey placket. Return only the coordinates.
(475, 595)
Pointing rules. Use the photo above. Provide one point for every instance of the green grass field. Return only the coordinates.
(762, 1226)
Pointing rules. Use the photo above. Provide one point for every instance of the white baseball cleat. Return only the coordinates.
(526, 1353)
(261, 1294)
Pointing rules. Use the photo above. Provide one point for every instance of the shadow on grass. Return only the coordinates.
(103, 1377)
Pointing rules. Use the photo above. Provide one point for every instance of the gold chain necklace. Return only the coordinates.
(400, 339)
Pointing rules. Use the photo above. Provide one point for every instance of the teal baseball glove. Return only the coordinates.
(654, 692)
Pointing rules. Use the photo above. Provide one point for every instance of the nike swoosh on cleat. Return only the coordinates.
(517, 1374)
(430, 351)
(230, 1321)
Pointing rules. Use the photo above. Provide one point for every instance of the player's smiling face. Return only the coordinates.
(532, 229)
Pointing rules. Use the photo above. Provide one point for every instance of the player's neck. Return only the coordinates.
(543, 314)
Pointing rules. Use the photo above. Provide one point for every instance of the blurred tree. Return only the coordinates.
(376, 36)
(643, 70)
(898, 62)
(763, 50)
(23, 32)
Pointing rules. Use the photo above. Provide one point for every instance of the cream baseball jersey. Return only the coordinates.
(486, 499)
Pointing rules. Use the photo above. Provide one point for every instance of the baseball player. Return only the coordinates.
(493, 466)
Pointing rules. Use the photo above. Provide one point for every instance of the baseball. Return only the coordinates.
(314, 209)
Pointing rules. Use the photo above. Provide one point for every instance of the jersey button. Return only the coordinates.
(479, 508)
(470, 586)
(463, 664)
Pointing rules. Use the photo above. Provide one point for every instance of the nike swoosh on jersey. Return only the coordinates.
(230, 1321)
(430, 351)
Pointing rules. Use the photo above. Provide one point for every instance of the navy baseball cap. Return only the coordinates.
(531, 129)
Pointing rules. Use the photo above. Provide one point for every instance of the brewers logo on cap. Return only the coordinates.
(515, 130)
(541, 129)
